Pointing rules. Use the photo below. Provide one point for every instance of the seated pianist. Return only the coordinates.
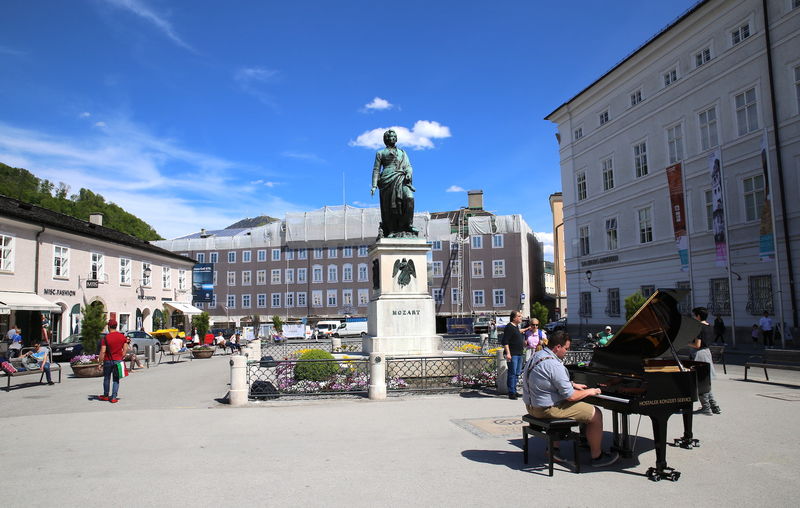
(549, 394)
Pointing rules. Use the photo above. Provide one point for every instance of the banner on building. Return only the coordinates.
(203, 282)
(717, 208)
(766, 241)
(678, 208)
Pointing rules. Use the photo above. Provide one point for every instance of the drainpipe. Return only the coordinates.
(36, 263)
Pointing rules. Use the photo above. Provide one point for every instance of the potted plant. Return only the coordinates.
(202, 351)
(86, 366)
(92, 325)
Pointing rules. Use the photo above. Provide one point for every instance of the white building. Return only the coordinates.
(701, 85)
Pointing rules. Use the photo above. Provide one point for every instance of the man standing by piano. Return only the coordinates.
(513, 343)
(549, 394)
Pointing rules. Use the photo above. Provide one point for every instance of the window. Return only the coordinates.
(608, 173)
(125, 271)
(166, 277)
(332, 252)
(647, 291)
(302, 254)
(455, 296)
(454, 246)
(362, 273)
(670, 77)
(581, 181)
(438, 296)
(276, 254)
(247, 278)
(60, 261)
(720, 304)
(318, 252)
(347, 273)
(685, 303)
(231, 257)
(261, 277)
(261, 256)
(437, 269)
(333, 273)
(753, 197)
(363, 297)
(455, 268)
(583, 240)
(603, 117)
(316, 298)
(741, 33)
(759, 294)
(301, 299)
(261, 300)
(578, 134)
(231, 278)
(201, 257)
(347, 297)
(276, 300)
(477, 242)
(478, 299)
(746, 111)
(797, 85)
(498, 268)
(612, 296)
(709, 201)
(362, 251)
(213, 303)
(702, 56)
(231, 301)
(331, 298)
(636, 97)
(437, 244)
(146, 275)
(214, 257)
(302, 275)
(97, 267)
(497, 241)
(708, 128)
(316, 274)
(585, 304)
(289, 300)
(182, 279)
(289, 254)
(289, 275)
(611, 234)
(246, 255)
(347, 252)
(499, 297)
(645, 225)
(640, 159)
(275, 276)
(215, 277)
(675, 143)
(477, 269)
(795, 4)
(245, 301)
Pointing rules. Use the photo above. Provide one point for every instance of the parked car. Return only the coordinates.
(141, 339)
(325, 329)
(481, 324)
(65, 350)
(552, 326)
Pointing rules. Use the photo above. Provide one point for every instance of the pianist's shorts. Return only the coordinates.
(578, 411)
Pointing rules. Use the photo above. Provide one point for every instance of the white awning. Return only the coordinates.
(186, 308)
(10, 300)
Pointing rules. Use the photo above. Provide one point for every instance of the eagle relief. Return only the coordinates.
(406, 270)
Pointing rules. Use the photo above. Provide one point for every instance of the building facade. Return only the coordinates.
(53, 264)
(559, 265)
(638, 148)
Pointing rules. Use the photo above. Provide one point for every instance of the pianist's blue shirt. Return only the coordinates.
(546, 380)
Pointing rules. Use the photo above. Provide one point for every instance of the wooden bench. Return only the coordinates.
(782, 359)
(54, 367)
(167, 352)
(551, 431)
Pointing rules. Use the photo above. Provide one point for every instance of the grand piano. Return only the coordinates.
(639, 372)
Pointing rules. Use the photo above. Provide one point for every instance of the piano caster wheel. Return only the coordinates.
(667, 473)
(686, 444)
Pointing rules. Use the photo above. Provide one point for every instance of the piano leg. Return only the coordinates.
(687, 441)
(661, 471)
(621, 441)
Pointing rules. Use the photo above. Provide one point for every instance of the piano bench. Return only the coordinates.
(551, 431)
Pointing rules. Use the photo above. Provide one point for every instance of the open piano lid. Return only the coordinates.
(648, 333)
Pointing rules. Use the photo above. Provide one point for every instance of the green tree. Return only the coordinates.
(92, 325)
(540, 312)
(277, 322)
(200, 322)
(632, 304)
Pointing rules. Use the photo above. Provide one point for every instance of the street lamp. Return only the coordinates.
(589, 280)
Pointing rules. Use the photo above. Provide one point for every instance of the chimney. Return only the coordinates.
(475, 200)
(96, 218)
(203, 233)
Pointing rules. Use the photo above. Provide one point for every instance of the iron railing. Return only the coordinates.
(441, 372)
(271, 379)
(578, 356)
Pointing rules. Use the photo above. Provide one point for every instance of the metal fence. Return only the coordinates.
(441, 372)
(578, 356)
(272, 379)
(288, 350)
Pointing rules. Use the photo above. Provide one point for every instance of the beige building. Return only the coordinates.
(559, 267)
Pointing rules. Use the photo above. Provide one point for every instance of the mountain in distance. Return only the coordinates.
(261, 220)
(23, 185)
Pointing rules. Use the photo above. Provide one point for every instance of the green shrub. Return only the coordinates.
(315, 371)
(632, 304)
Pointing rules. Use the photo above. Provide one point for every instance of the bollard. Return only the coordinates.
(238, 392)
(149, 355)
(377, 376)
(502, 373)
(336, 343)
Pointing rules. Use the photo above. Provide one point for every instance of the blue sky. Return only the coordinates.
(196, 114)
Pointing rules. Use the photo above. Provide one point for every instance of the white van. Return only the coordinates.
(352, 328)
(326, 328)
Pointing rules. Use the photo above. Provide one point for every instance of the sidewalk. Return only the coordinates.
(168, 442)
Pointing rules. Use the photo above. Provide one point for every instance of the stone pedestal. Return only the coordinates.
(402, 315)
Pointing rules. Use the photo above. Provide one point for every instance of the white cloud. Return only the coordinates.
(143, 11)
(85, 114)
(377, 104)
(252, 80)
(455, 188)
(175, 189)
(547, 242)
(311, 157)
(418, 137)
(270, 184)
(100, 124)
(364, 205)
(5, 50)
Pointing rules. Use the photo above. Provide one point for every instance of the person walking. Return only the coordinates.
(112, 352)
(719, 330)
(765, 323)
(703, 354)
(513, 347)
